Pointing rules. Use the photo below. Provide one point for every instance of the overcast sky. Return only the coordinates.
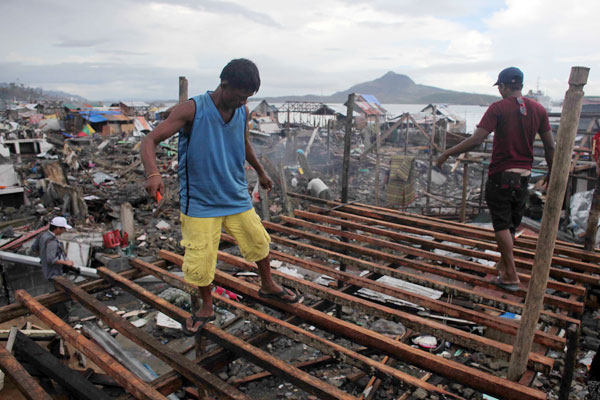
(137, 49)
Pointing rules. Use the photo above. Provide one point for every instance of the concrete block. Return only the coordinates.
(113, 262)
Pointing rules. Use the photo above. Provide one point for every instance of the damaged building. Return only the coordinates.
(399, 302)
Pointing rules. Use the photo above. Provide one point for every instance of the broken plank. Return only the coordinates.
(298, 334)
(235, 344)
(482, 381)
(28, 386)
(180, 363)
(51, 367)
(129, 381)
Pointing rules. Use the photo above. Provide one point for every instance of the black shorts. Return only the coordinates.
(506, 202)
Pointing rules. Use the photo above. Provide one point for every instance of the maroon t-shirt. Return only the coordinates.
(513, 139)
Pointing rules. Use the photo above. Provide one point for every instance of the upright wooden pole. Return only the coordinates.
(567, 130)
(264, 201)
(592, 225)
(183, 89)
(345, 171)
(329, 123)
(347, 141)
(431, 141)
(406, 137)
(377, 161)
(126, 216)
(463, 205)
(482, 188)
(289, 143)
(289, 211)
(444, 134)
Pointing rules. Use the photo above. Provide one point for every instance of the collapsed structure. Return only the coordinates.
(398, 304)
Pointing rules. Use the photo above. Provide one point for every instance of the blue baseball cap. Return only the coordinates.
(510, 75)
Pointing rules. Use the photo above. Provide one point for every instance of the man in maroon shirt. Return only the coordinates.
(515, 120)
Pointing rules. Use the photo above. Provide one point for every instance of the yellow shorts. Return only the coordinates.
(201, 237)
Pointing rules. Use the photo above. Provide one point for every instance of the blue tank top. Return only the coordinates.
(212, 178)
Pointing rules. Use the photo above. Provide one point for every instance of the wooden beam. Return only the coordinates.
(496, 300)
(543, 256)
(401, 233)
(129, 381)
(233, 343)
(274, 324)
(384, 136)
(563, 303)
(199, 376)
(471, 377)
(50, 366)
(29, 387)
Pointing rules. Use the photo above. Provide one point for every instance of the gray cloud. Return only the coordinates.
(80, 42)
(223, 7)
(437, 8)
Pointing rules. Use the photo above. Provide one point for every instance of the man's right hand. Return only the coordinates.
(155, 184)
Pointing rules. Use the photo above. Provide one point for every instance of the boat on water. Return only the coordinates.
(541, 98)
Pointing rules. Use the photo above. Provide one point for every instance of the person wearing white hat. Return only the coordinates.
(51, 251)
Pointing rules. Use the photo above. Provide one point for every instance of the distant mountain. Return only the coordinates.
(393, 88)
(20, 92)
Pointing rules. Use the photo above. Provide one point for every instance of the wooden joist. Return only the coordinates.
(481, 381)
(29, 387)
(233, 343)
(50, 366)
(129, 381)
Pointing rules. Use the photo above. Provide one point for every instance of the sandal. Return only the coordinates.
(202, 320)
(511, 287)
(279, 296)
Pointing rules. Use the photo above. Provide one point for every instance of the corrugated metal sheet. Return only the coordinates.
(117, 118)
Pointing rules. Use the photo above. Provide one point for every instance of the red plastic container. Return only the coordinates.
(112, 239)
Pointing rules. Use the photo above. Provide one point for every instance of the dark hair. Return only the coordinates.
(241, 74)
(513, 86)
(52, 228)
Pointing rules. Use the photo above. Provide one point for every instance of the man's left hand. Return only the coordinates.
(265, 182)
(441, 160)
(546, 181)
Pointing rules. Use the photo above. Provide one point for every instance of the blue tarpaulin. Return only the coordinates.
(98, 116)
(94, 118)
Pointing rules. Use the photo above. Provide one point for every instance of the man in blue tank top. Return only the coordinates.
(214, 145)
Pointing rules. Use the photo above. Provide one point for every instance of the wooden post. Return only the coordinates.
(347, 141)
(463, 206)
(592, 225)
(183, 89)
(289, 145)
(345, 170)
(573, 334)
(329, 123)
(406, 137)
(482, 188)
(377, 161)
(431, 141)
(286, 199)
(569, 123)
(264, 201)
(127, 221)
(444, 134)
